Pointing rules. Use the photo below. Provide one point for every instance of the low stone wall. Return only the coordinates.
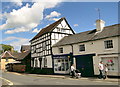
(48, 71)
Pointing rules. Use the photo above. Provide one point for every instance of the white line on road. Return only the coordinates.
(10, 83)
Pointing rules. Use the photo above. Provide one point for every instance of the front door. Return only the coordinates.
(84, 63)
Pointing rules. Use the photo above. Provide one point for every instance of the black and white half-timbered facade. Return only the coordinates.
(41, 44)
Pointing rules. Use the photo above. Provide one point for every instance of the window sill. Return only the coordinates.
(109, 49)
(60, 53)
(81, 51)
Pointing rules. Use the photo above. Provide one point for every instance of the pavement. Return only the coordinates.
(68, 77)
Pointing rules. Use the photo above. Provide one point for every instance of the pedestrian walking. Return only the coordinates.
(106, 70)
(101, 69)
(73, 70)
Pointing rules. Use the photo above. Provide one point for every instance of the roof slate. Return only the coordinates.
(20, 56)
(48, 28)
(7, 54)
(25, 47)
(108, 31)
(15, 55)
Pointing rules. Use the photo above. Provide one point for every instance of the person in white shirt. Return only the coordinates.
(72, 70)
(101, 69)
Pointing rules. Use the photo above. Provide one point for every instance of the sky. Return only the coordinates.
(21, 21)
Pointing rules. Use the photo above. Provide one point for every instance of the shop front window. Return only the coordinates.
(61, 64)
(111, 63)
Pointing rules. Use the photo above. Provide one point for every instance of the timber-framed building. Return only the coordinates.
(41, 44)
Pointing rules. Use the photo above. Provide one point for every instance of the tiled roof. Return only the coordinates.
(7, 54)
(49, 28)
(25, 47)
(20, 56)
(15, 55)
(91, 35)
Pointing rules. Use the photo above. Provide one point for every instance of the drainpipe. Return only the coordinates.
(74, 60)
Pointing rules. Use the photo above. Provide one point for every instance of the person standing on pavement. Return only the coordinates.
(101, 69)
(72, 70)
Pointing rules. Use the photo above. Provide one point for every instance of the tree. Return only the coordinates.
(4, 47)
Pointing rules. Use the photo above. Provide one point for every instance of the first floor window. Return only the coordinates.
(82, 47)
(108, 44)
(61, 50)
(6, 60)
(36, 63)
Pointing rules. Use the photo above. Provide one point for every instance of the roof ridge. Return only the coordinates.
(108, 31)
(49, 27)
(94, 29)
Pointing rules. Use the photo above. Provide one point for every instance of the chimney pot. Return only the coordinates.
(12, 50)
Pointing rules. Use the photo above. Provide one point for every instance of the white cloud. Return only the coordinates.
(55, 19)
(16, 2)
(36, 30)
(22, 29)
(1, 16)
(48, 3)
(53, 14)
(16, 42)
(76, 25)
(94, 24)
(26, 18)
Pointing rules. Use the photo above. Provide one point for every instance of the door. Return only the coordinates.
(84, 63)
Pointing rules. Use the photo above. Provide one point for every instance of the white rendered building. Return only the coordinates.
(89, 48)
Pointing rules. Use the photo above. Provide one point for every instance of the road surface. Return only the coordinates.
(33, 80)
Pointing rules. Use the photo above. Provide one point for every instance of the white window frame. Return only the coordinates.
(108, 44)
(81, 49)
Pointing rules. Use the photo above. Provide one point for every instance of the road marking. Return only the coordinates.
(10, 83)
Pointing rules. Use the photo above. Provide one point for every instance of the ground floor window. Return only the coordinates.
(36, 63)
(45, 62)
(61, 64)
(112, 63)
